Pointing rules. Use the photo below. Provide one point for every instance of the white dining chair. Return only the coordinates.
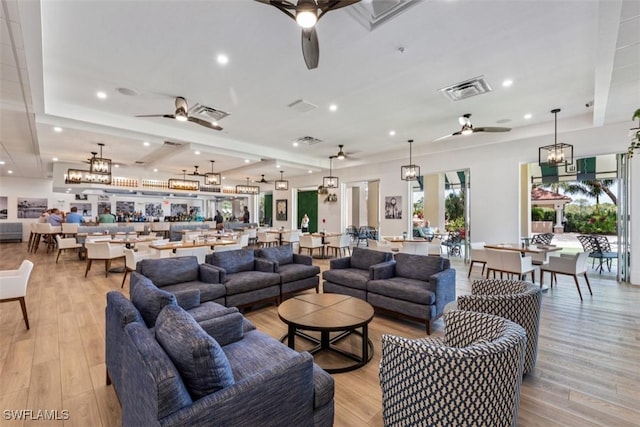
(199, 252)
(311, 243)
(131, 258)
(103, 251)
(69, 229)
(567, 264)
(292, 238)
(66, 244)
(339, 244)
(478, 255)
(379, 245)
(415, 248)
(13, 286)
(267, 239)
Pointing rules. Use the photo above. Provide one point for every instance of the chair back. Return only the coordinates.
(345, 240)
(130, 258)
(227, 248)
(43, 228)
(244, 240)
(98, 250)
(514, 262)
(494, 259)
(14, 282)
(67, 243)
(69, 228)
(309, 241)
(581, 262)
(199, 252)
(478, 252)
(588, 243)
(415, 248)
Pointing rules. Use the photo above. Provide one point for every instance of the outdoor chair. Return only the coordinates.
(598, 247)
(542, 239)
(453, 244)
(13, 286)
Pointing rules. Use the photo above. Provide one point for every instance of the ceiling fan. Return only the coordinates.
(262, 180)
(307, 13)
(181, 114)
(468, 129)
(196, 172)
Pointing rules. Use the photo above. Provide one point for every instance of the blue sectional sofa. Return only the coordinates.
(297, 272)
(219, 371)
(10, 231)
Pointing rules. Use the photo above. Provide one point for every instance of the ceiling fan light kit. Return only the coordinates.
(557, 154)
(281, 184)
(341, 155)
(181, 114)
(306, 13)
(330, 181)
(410, 172)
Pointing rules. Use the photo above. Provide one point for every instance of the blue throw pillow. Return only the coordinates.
(202, 364)
(148, 298)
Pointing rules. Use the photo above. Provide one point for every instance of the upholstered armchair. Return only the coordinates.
(103, 251)
(515, 300)
(296, 271)
(472, 377)
(570, 265)
(66, 244)
(478, 255)
(13, 286)
(349, 275)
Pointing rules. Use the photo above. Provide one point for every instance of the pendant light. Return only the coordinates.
(281, 184)
(100, 165)
(558, 154)
(247, 189)
(212, 178)
(410, 172)
(330, 181)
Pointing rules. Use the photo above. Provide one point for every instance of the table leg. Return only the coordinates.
(291, 337)
(365, 344)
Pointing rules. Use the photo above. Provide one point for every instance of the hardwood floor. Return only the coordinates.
(587, 373)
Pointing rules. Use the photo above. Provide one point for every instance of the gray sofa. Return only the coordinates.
(297, 272)
(10, 231)
(349, 275)
(246, 278)
(217, 371)
(183, 273)
(414, 286)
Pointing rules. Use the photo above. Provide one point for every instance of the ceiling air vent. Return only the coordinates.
(302, 106)
(138, 162)
(308, 140)
(208, 112)
(466, 89)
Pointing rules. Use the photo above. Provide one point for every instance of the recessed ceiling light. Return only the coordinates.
(9, 171)
(278, 166)
(224, 177)
(146, 144)
(247, 160)
(507, 83)
(155, 170)
(68, 189)
(197, 153)
(55, 159)
(57, 129)
(101, 95)
(116, 166)
(1, 162)
(333, 107)
(310, 171)
(527, 116)
(222, 59)
(392, 133)
(295, 144)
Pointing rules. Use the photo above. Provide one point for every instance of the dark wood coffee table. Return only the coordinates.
(328, 313)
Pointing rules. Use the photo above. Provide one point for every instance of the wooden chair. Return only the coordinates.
(13, 286)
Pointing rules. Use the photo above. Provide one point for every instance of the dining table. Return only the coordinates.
(522, 248)
(197, 244)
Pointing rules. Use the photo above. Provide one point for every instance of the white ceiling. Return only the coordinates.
(56, 54)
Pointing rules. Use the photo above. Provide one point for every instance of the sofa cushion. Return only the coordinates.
(233, 261)
(418, 267)
(283, 254)
(148, 298)
(169, 271)
(247, 281)
(349, 277)
(293, 272)
(403, 288)
(199, 358)
(208, 291)
(365, 258)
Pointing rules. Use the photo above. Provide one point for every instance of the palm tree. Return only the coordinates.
(594, 189)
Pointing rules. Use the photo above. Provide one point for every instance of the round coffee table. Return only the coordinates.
(328, 313)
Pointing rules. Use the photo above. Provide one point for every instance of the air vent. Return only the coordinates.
(208, 112)
(466, 89)
(302, 106)
(172, 144)
(308, 140)
(138, 162)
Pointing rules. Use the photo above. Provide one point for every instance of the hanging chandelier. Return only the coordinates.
(281, 184)
(99, 171)
(558, 154)
(410, 172)
(211, 178)
(99, 164)
(330, 181)
(247, 189)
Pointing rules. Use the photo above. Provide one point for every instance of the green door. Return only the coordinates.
(308, 203)
(268, 209)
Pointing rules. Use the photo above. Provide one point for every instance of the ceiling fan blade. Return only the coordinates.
(310, 48)
(166, 116)
(327, 5)
(204, 123)
(446, 136)
(491, 129)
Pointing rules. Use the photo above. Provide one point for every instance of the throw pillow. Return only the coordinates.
(202, 364)
(148, 298)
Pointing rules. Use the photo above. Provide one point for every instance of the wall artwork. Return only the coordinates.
(31, 208)
(178, 209)
(102, 205)
(125, 207)
(4, 203)
(83, 208)
(153, 210)
(281, 210)
(393, 207)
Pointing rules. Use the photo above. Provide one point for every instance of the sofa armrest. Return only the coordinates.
(212, 274)
(335, 264)
(225, 329)
(264, 265)
(302, 259)
(384, 270)
(188, 298)
(443, 284)
(283, 392)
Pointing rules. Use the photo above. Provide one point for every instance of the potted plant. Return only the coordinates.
(634, 134)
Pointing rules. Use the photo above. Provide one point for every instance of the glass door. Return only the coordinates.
(624, 219)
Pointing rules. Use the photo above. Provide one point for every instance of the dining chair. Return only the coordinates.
(310, 243)
(570, 265)
(48, 231)
(514, 263)
(66, 244)
(13, 286)
(131, 258)
(339, 244)
(243, 240)
(478, 255)
(69, 229)
(379, 245)
(103, 251)
(293, 238)
(415, 248)
(267, 239)
(199, 252)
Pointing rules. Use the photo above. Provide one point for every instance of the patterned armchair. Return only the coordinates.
(517, 301)
(471, 377)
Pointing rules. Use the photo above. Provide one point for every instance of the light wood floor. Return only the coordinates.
(587, 374)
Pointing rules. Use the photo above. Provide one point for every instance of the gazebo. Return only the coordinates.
(545, 198)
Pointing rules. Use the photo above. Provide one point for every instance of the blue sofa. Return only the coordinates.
(183, 273)
(297, 272)
(246, 278)
(184, 372)
(10, 231)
